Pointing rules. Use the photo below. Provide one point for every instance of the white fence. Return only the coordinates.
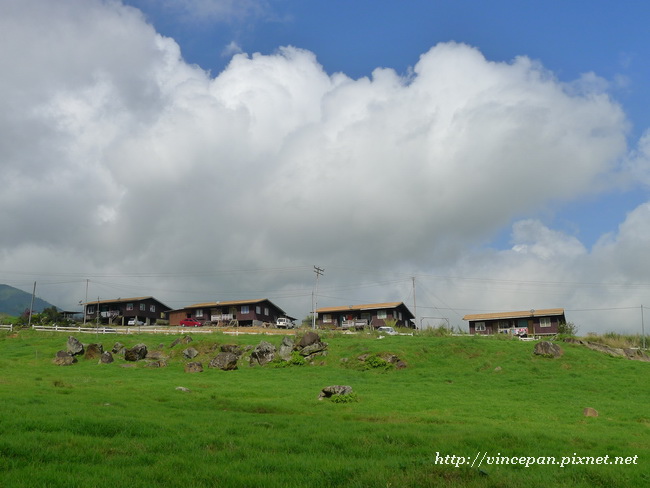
(115, 330)
(7, 327)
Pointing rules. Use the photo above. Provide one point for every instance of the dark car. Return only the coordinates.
(191, 323)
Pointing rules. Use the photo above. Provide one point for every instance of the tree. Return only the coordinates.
(567, 328)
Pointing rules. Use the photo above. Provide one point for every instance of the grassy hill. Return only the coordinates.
(469, 397)
(14, 301)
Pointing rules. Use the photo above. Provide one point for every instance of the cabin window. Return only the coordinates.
(381, 314)
(479, 326)
(258, 310)
(143, 307)
(199, 313)
(545, 321)
(129, 306)
(152, 308)
(266, 311)
(90, 309)
(245, 309)
(327, 318)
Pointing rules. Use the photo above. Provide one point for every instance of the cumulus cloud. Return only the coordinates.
(119, 158)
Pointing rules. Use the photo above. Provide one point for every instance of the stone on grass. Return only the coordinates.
(194, 367)
(74, 347)
(182, 340)
(64, 358)
(226, 361)
(264, 353)
(333, 390)
(106, 358)
(135, 353)
(590, 412)
(286, 348)
(548, 350)
(190, 353)
(94, 351)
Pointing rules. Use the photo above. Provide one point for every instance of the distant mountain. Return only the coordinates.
(14, 301)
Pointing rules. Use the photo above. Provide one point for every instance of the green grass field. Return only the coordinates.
(91, 425)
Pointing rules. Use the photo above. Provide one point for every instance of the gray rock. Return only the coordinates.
(590, 412)
(233, 348)
(286, 348)
(64, 358)
(548, 350)
(332, 390)
(94, 351)
(135, 353)
(190, 353)
(308, 339)
(118, 348)
(106, 358)
(156, 355)
(264, 353)
(226, 361)
(182, 388)
(194, 367)
(74, 347)
(313, 349)
(161, 363)
(182, 340)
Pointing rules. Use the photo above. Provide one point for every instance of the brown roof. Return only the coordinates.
(225, 303)
(513, 315)
(119, 300)
(370, 306)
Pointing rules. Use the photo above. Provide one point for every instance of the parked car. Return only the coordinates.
(191, 323)
(135, 322)
(284, 323)
(387, 330)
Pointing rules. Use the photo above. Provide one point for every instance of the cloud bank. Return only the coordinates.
(121, 160)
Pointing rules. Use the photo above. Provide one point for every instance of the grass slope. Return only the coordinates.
(106, 425)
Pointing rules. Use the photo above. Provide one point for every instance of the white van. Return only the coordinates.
(284, 323)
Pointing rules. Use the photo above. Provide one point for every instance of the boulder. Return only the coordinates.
(194, 367)
(590, 412)
(94, 351)
(106, 358)
(135, 353)
(64, 358)
(190, 353)
(286, 348)
(156, 355)
(233, 348)
(332, 390)
(161, 363)
(315, 349)
(226, 361)
(548, 349)
(183, 388)
(308, 339)
(74, 347)
(118, 348)
(182, 340)
(262, 354)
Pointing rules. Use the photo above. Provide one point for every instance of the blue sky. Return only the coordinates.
(200, 150)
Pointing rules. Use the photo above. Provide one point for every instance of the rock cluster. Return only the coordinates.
(629, 353)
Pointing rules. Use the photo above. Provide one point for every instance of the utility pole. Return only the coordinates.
(415, 307)
(642, 329)
(31, 306)
(319, 272)
(86, 302)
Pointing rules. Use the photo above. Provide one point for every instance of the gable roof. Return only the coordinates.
(515, 315)
(123, 300)
(228, 303)
(369, 306)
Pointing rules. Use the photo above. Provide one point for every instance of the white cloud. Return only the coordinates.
(120, 158)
